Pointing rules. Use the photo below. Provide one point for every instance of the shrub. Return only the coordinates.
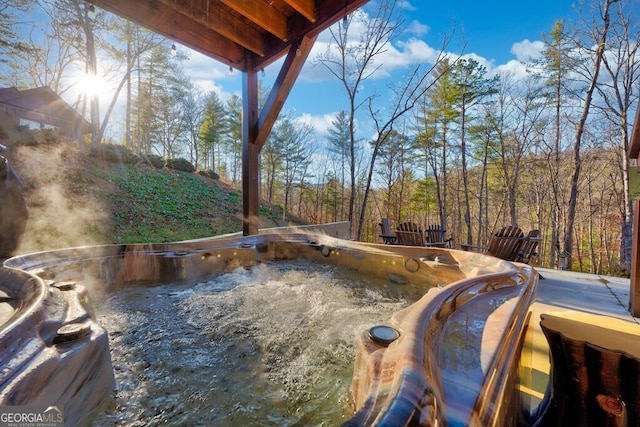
(209, 173)
(181, 164)
(116, 154)
(153, 160)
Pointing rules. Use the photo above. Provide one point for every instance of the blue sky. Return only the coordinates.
(492, 27)
(501, 35)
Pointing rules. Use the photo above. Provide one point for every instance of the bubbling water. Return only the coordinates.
(273, 344)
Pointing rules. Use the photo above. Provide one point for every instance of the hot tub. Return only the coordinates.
(448, 357)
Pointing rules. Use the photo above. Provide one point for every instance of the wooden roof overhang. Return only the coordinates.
(244, 34)
(247, 35)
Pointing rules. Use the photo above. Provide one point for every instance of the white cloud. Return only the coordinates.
(417, 51)
(321, 124)
(417, 28)
(406, 5)
(404, 54)
(401, 55)
(209, 74)
(527, 50)
(514, 68)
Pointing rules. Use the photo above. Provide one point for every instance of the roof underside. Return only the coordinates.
(245, 34)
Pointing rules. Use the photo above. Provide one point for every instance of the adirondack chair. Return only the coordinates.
(388, 238)
(409, 234)
(506, 243)
(529, 247)
(437, 236)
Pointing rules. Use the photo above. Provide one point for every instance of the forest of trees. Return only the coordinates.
(454, 144)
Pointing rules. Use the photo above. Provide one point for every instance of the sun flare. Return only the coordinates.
(92, 85)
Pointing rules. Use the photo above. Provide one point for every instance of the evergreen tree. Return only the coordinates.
(234, 137)
(214, 129)
(339, 146)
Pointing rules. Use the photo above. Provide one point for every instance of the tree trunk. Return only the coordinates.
(577, 160)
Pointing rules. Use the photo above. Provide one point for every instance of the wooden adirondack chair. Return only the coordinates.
(409, 234)
(506, 243)
(388, 238)
(529, 247)
(437, 236)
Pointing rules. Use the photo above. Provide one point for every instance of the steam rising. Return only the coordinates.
(62, 213)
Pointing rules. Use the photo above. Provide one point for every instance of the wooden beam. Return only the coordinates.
(239, 32)
(634, 291)
(282, 87)
(306, 8)
(329, 12)
(166, 22)
(250, 154)
(223, 22)
(634, 145)
(261, 14)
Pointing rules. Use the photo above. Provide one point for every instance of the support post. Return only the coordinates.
(256, 125)
(634, 291)
(250, 154)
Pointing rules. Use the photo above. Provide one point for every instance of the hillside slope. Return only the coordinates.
(75, 199)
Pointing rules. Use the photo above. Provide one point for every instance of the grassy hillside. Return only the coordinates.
(75, 199)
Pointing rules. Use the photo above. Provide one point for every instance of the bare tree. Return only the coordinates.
(137, 42)
(77, 25)
(193, 116)
(554, 69)
(622, 67)
(433, 117)
(517, 126)
(470, 88)
(406, 95)
(599, 31)
(10, 43)
(48, 60)
(354, 63)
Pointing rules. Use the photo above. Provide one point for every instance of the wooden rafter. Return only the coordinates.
(262, 14)
(179, 27)
(306, 8)
(228, 25)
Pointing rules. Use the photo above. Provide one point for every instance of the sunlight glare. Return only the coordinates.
(92, 85)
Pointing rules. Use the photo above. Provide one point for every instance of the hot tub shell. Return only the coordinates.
(55, 354)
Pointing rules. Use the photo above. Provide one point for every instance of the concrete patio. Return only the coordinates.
(591, 293)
